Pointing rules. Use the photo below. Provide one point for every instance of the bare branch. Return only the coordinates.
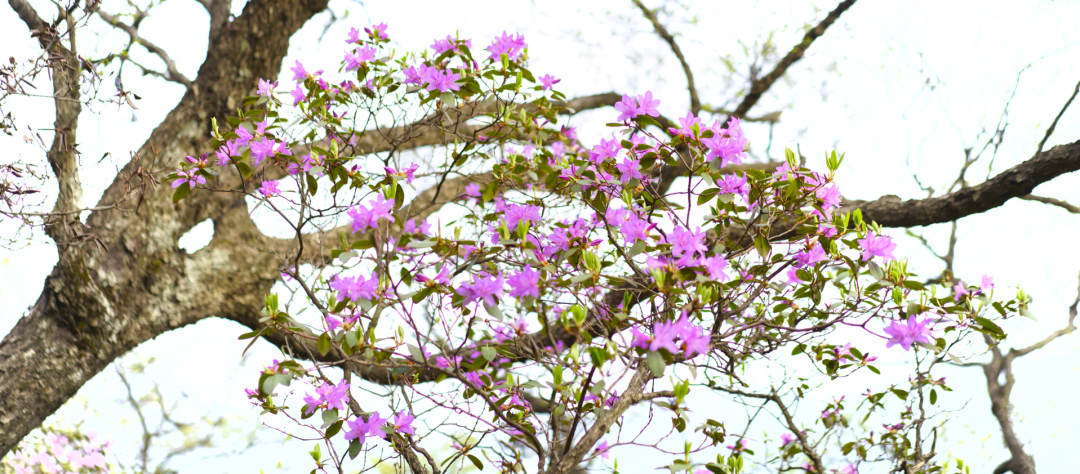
(760, 86)
(1053, 202)
(171, 74)
(1053, 125)
(1068, 329)
(695, 103)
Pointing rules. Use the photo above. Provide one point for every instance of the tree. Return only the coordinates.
(139, 285)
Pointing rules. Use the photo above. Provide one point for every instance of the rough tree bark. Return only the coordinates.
(100, 302)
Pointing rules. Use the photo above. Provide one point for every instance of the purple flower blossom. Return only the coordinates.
(403, 423)
(328, 396)
(987, 284)
(630, 169)
(727, 144)
(298, 95)
(443, 81)
(686, 243)
(506, 44)
(266, 88)
(524, 283)
(360, 430)
(810, 257)
(378, 30)
(687, 125)
(441, 46)
(635, 229)
(827, 231)
(830, 195)
(227, 151)
(473, 190)
(190, 177)
(355, 288)
(786, 438)
(905, 334)
(364, 218)
(627, 108)
(877, 246)
(548, 81)
(299, 73)
(647, 105)
(483, 288)
(960, 291)
(360, 56)
(715, 266)
(354, 36)
(525, 213)
(602, 449)
(269, 188)
(262, 149)
(732, 184)
(606, 149)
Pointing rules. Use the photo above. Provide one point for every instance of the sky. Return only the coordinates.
(903, 88)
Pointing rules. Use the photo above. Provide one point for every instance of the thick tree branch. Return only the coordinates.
(759, 86)
(171, 74)
(1020, 180)
(695, 103)
(28, 15)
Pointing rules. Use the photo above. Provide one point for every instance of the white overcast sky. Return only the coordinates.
(901, 87)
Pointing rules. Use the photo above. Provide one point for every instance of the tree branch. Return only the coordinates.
(760, 86)
(1053, 202)
(1053, 125)
(695, 103)
(1020, 180)
(171, 74)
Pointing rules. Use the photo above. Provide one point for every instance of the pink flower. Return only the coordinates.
(960, 291)
(266, 88)
(506, 44)
(190, 177)
(548, 81)
(355, 288)
(403, 423)
(483, 288)
(810, 257)
(786, 438)
(269, 188)
(715, 266)
(630, 169)
(602, 449)
(524, 283)
(627, 108)
(877, 246)
(906, 334)
(987, 284)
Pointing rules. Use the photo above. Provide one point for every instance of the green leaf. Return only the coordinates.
(933, 396)
(489, 353)
(476, 462)
(416, 353)
(656, 364)
(334, 429)
(324, 344)
(990, 326)
(181, 191)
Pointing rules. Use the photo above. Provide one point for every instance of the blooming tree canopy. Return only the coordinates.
(566, 290)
